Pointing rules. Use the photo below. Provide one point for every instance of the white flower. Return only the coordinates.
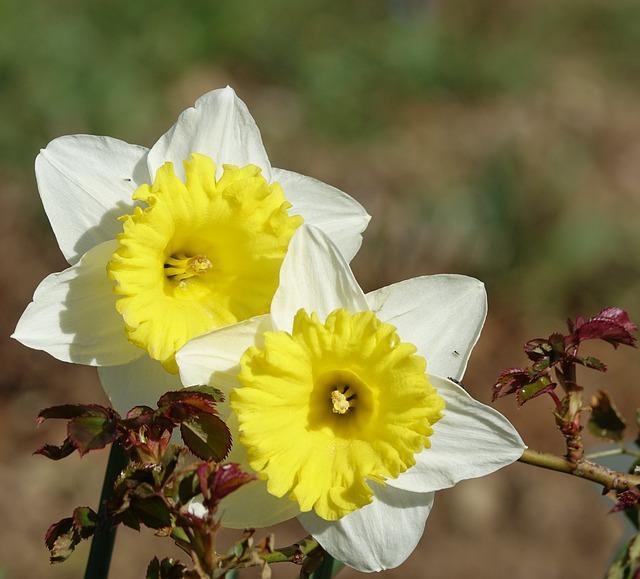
(442, 315)
(201, 248)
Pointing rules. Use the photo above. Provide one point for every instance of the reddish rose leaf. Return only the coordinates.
(537, 349)
(91, 432)
(228, 478)
(207, 436)
(60, 540)
(138, 411)
(57, 452)
(612, 325)
(541, 386)
(183, 404)
(62, 537)
(509, 381)
(152, 511)
(626, 499)
(69, 411)
(165, 569)
(590, 362)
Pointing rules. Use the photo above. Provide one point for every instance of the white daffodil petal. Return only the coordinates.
(316, 277)
(213, 358)
(220, 126)
(441, 314)
(139, 383)
(378, 536)
(86, 183)
(469, 441)
(73, 315)
(340, 216)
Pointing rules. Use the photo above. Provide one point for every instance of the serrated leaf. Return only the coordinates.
(227, 479)
(60, 540)
(91, 432)
(165, 569)
(181, 405)
(207, 436)
(612, 325)
(62, 537)
(188, 488)
(217, 395)
(152, 512)
(593, 363)
(541, 386)
(84, 520)
(605, 422)
(69, 411)
(57, 452)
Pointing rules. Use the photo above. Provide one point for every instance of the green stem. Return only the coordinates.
(582, 469)
(105, 535)
(328, 569)
(290, 553)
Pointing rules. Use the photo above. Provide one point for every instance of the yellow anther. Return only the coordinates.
(340, 402)
(182, 267)
(200, 264)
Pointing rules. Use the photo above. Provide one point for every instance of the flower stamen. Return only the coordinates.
(340, 403)
(181, 267)
(332, 406)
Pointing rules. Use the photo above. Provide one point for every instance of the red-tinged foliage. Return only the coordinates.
(207, 436)
(559, 353)
(228, 478)
(62, 537)
(612, 325)
(510, 381)
(160, 479)
(626, 499)
(70, 411)
(183, 404)
(91, 426)
(537, 388)
(57, 452)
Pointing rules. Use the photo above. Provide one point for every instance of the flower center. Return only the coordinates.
(342, 400)
(201, 254)
(330, 406)
(180, 267)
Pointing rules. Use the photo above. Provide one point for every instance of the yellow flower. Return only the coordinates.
(203, 254)
(207, 223)
(332, 404)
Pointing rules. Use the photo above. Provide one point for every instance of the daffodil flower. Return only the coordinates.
(168, 243)
(331, 404)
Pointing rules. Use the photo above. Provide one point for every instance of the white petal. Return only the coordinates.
(469, 441)
(139, 383)
(316, 277)
(340, 216)
(86, 183)
(213, 358)
(379, 536)
(220, 126)
(73, 315)
(441, 314)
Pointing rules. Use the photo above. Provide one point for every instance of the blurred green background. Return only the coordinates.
(499, 138)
